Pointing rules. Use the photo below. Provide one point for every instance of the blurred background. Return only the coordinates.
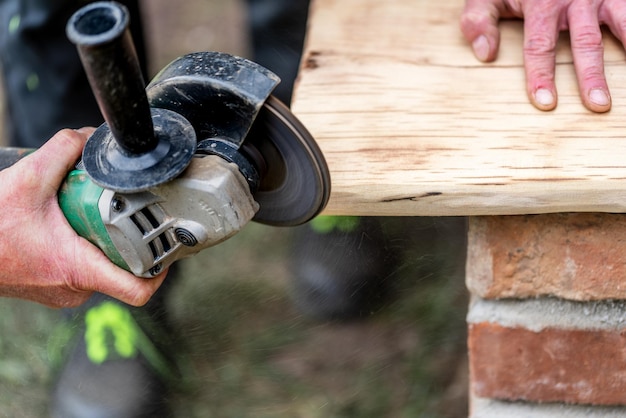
(243, 348)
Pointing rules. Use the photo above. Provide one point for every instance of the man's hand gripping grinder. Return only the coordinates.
(186, 162)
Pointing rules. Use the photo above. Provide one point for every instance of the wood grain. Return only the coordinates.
(412, 124)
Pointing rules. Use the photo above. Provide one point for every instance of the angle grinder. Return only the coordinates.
(186, 162)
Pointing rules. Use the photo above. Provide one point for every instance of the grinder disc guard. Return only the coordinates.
(229, 98)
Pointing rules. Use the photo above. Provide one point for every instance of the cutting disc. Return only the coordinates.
(296, 183)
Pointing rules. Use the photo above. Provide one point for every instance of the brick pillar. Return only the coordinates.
(547, 320)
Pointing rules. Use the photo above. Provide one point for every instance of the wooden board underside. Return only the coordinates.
(412, 124)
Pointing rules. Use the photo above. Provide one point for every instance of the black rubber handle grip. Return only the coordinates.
(100, 32)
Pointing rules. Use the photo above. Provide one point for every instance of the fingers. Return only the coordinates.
(588, 54)
(541, 31)
(479, 24)
(135, 291)
(102, 276)
(543, 21)
(613, 14)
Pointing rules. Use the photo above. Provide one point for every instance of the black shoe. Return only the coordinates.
(339, 267)
(113, 370)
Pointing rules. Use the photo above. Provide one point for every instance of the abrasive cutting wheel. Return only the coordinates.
(296, 184)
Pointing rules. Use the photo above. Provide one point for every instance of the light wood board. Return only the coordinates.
(411, 123)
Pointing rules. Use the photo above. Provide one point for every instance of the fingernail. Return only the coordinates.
(544, 97)
(481, 48)
(599, 97)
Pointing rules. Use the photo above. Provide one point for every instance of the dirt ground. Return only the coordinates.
(244, 349)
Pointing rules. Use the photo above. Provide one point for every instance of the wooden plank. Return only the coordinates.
(412, 124)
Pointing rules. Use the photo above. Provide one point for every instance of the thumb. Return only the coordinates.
(59, 154)
(479, 24)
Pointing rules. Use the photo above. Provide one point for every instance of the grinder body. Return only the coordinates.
(145, 232)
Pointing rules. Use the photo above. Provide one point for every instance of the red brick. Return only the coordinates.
(582, 366)
(578, 256)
